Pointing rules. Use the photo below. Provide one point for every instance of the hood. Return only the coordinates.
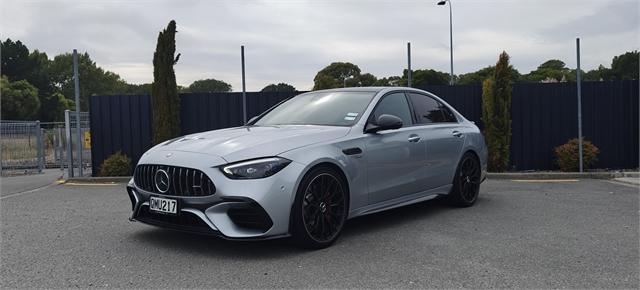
(241, 143)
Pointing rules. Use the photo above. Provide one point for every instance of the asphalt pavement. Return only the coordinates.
(25, 182)
(529, 234)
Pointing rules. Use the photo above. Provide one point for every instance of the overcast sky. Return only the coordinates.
(290, 40)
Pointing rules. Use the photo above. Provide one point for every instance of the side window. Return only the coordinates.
(428, 110)
(448, 115)
(394, 104)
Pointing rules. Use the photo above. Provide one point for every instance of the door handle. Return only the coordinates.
(414, 138)
(457, 134)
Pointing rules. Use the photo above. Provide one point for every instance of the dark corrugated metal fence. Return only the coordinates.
(543, 116)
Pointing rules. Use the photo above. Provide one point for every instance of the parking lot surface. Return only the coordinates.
(21, 183)
(581, 234)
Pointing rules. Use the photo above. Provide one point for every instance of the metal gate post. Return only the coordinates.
(579, 84)
(1, 150)
(67, 131)
(76, 82)
(39, 146)
(59, 148)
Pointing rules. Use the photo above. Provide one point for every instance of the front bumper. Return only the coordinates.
(240, 209)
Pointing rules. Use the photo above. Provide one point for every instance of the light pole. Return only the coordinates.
(450, 35)
(244, 91)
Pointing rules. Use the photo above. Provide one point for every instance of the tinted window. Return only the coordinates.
(322, 108)
(448, 115)
(428, 110)
(394, 104)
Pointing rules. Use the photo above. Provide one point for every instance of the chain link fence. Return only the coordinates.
(30, 146)
(21, 147)
(80, 161)
(54, 144)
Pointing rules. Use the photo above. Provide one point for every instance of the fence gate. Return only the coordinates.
(21, 147)
(78, 162)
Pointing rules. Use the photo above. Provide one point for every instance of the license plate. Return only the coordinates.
(163, 205)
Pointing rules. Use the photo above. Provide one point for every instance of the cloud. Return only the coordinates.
(290, 40)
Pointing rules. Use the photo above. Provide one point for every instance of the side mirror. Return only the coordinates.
(384, 122)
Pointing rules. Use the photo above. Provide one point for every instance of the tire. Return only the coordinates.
(466, 182)
(320, 208)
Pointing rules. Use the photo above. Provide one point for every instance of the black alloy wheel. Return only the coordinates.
(320, 209)
(466, 183)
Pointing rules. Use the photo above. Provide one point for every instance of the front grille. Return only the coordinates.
(182, 181)
(185, 221)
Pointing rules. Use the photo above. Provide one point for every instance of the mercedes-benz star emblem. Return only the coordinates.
(162, 180)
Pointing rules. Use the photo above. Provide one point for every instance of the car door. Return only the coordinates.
(395, 158)
(443, 139)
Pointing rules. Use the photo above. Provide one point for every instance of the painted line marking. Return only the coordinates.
(29, 191)
(637, 186)
(91, 184)
(544, 180)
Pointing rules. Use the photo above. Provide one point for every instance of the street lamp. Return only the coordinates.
(443, 2)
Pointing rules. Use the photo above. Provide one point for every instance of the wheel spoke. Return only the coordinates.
(324, 207)
(468, 178)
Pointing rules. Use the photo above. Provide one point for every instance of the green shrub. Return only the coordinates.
(567, 155)
(117, 164)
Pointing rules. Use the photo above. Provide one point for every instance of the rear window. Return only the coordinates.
(428, 110)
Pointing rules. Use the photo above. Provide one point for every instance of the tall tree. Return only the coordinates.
(165, 99)
(52, 107)
(496, 114)
(626, 66)
(477, 77)
(34, 67)
(551, 71)
(421, 78)
(209, 85)
(392, 81)
(19, 100)
(337, 75)
(139, 89)
(599, 74)
(93, 79)
(281, 87)
(367, 80)
(16, 64)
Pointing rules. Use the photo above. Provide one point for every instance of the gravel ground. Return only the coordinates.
(582, 234)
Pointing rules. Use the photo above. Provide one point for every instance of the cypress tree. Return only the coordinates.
(496, 114)
(164, 90)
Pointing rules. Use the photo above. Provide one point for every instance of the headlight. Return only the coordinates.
(257, 168)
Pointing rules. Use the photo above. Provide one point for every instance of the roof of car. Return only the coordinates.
(365, 89)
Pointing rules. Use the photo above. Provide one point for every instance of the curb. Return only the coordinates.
(561, 175)
(98, 180)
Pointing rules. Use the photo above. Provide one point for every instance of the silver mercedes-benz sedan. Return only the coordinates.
(308, 164)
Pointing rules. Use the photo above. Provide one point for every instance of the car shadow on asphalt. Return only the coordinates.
(278, 248)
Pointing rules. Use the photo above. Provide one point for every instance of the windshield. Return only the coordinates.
(321, 108)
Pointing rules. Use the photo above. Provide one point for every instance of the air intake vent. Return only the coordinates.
(173, 180)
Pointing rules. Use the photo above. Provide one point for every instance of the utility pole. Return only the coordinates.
(409, 64)
(244, 91)
(579, 84)
(76, 81)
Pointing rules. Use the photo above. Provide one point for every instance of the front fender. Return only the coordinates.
(352, 166)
